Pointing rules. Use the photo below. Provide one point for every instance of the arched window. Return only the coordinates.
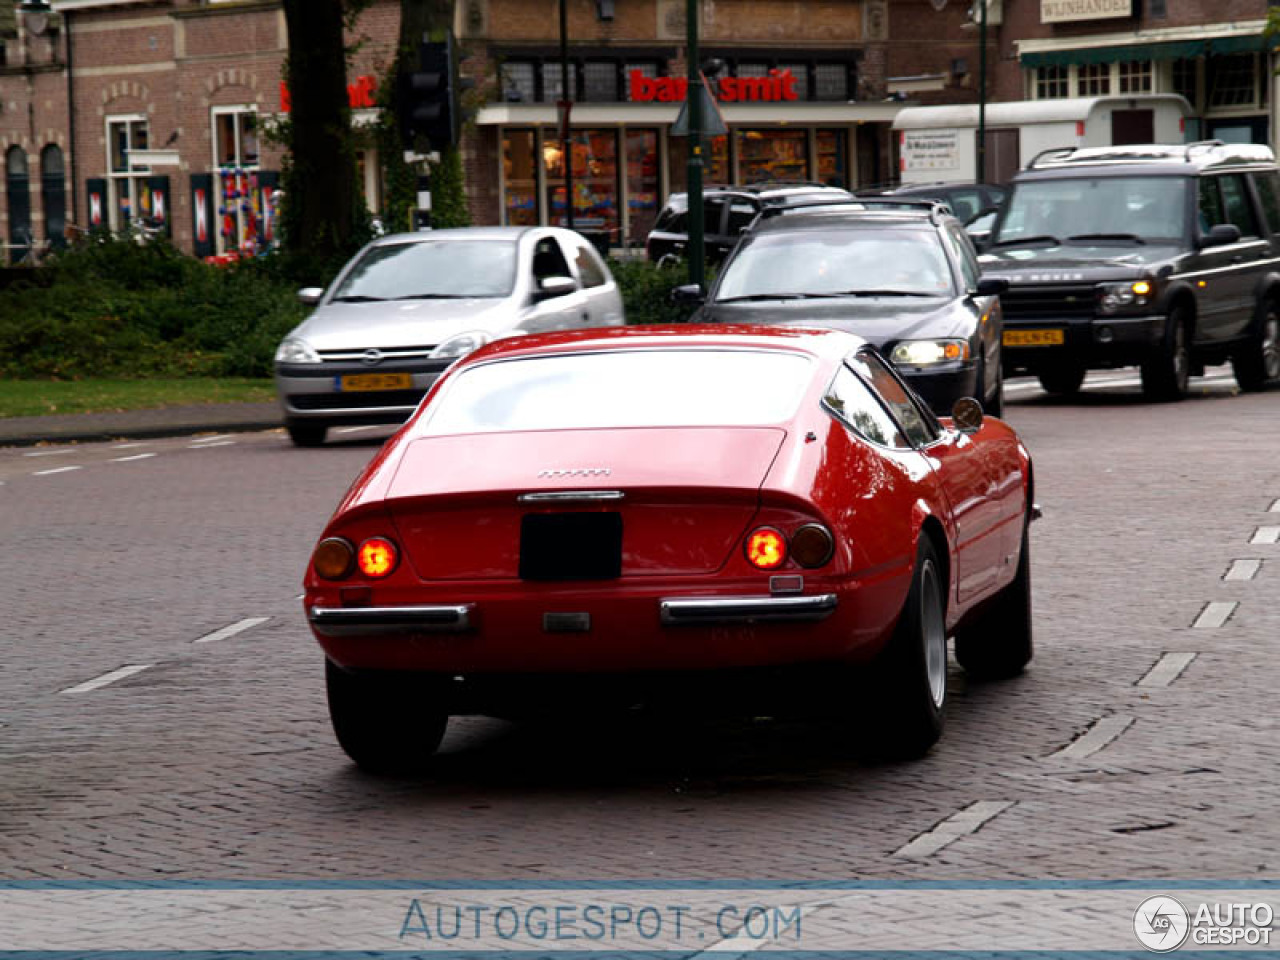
(18, 191)
(53, 195)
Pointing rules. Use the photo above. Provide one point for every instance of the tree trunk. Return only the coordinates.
(320, 184)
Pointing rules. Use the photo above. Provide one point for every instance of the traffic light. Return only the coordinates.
(429, 104)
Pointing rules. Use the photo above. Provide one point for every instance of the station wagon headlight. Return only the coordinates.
(461, 345)
(293, 350)
(1115, 297)
(925, 353)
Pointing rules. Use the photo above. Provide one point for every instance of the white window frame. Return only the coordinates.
(240, 219)
(127, 182)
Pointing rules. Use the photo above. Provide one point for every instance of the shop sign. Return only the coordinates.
(929, 150)
(778, 85)
(1068, 11)
(361, 95)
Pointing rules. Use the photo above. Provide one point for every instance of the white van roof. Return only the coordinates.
(1021, 112)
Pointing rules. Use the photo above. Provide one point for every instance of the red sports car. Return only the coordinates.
(580, 515)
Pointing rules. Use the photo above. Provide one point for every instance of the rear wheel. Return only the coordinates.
(998, 644)
(908, 684)
(1062, 381)
(1259, 360)
(386, 724)
(306, 434)
(1167, 375)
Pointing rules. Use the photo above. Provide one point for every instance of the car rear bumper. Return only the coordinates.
(1094, 341)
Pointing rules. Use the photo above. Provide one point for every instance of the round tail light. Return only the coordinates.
(766, 548)
(334, 558)
(812, 545)
(377, 557)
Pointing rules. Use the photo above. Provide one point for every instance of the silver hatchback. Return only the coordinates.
(408, 305)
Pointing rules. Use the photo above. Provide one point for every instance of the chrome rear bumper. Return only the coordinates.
(359, 621)
(680, 611)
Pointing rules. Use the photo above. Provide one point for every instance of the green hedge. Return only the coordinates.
(646, 291)
(112, 308)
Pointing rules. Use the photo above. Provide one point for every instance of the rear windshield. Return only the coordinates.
(634, 388)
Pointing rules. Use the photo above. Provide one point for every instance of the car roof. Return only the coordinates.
(835, 218)
(820, 342)
(460, 233)
(765, 190)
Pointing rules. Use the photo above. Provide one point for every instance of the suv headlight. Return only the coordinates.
(1129, 295)
(293, 350)
(461, 345)
(926, 353)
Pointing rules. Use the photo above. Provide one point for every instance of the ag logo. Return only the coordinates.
(1161, 924)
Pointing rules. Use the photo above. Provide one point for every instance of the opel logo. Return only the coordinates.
(371, 357)
(575, 472)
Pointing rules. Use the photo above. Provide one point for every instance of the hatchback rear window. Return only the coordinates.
(631, 388)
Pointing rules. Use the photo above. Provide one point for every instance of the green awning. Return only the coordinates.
(1173, 50)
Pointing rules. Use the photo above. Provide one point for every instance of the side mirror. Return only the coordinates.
(1221, 235)
(310, 296)
(992, 286)
(551, 287)
(690, 294)
(967, 415)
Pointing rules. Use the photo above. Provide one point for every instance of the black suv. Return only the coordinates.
(726, 212)
(1164, 257)
(899, 272)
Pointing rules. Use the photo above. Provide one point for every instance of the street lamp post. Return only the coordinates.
(982, 92)
(693, 103)
(566, 104)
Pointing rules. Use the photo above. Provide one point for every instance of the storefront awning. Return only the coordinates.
(1173, 50)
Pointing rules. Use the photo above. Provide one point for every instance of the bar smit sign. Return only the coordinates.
(778, 85)
(1066, 11)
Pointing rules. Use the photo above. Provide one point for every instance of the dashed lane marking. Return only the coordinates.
(956, 826)
(107, 678)
(1266, 535)
(1215, 614)
(218, 436)
(206, 446)
(136, 456)
(1242, 570)
(128, 446)
(47, 453)
(356, 429)
(240, 626)
(46, 473)
(1275, 507)
(1167, 669)
(1100, 734)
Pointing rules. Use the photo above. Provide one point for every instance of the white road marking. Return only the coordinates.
(136, 456)
(1167, 669)
(206, 446)
(1275, 507)
(107, 678)
(129, 446)
(957, 825)
(1100, 734)
(45, 473)
(1242, 570)
(1099, 382)
(46, 453)
(355, 429)
(240, 626)
(1266, 535)
(218, 436)
(1215, 614)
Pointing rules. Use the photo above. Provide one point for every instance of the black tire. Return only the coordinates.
(1062, 381)
(1167, 375)
(908, 682)
(303, 433)
(386, 724)
(1258, 362)
(998, 644)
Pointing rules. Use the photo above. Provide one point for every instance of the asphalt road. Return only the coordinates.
(162, 711)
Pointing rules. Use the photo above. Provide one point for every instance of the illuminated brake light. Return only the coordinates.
(333, 558)
(766, 548)
(377, 557)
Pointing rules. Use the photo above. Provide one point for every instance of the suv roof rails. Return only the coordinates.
(1130, 153)
(934, 208)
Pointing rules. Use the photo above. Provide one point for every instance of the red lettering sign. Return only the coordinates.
(778, 85)
(361, 95)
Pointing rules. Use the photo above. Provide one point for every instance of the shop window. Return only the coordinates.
(831, 81)
(520, 179)
(801, 72)
(773, 155)
(600, 81)
(833, 163)
(646, 68)
(1232, 80)
(236, 189)
(1186, 79)
(125, 181)
(595, 181)
(552, 75)
(17, 178)
(1093, 80)
(642, 182)
(1135, 76)
(519, 82)
(53, 194)
(1052, 82)
(751, 70)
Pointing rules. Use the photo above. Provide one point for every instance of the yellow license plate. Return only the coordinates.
(1033, 338)
(375, 381)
